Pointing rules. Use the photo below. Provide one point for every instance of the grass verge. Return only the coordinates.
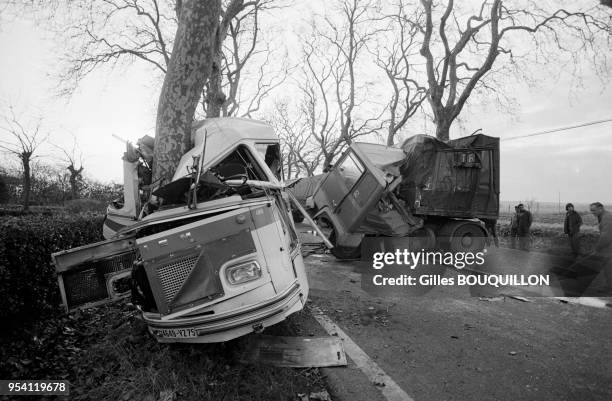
(107, 354)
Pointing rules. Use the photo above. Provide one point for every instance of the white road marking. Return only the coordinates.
(588, 301)
(389, 388)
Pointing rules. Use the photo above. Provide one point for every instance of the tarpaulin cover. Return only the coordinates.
(458, 178)
(384, 157)
(305, 187)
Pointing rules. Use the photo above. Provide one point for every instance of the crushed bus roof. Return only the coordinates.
(222, 135)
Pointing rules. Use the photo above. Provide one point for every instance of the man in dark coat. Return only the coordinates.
(603, 248)
(514, 227)
(523, 230)
(571, 227)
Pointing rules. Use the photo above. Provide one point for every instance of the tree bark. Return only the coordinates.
(443, 124)
(189, 68)
(391, 136)
(27, 181)
(215, 98)
(74, 181)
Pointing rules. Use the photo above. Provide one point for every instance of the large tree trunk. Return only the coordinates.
(190, 66)
(74, 181)
(443, 123)
(27, 182)
(443, 131)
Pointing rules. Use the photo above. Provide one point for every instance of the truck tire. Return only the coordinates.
(423, 238)
(467, 237)
(343, 252)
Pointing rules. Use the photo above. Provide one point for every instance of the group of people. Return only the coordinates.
(521, 224)
(572, 224)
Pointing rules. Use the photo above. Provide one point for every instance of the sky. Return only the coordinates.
(573, 165)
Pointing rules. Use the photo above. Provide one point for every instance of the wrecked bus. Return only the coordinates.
(424, 194)
(217, 258)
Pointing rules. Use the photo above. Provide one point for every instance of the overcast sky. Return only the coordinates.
(575, 164)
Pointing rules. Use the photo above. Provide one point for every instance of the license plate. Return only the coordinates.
(175, 333)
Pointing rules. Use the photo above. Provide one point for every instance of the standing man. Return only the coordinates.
(603, 248)
(514, 228)
(523, 229)
(571, 227)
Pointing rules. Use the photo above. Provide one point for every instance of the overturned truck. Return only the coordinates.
(426, 194)
(215, 258)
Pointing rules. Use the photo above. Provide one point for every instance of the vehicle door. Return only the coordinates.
(351, 188)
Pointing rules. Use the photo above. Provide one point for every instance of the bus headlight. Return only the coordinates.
(243, 273)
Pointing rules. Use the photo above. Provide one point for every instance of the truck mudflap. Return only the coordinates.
(214, 327)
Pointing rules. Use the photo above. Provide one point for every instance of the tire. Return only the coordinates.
(343, 252)
(468, 237)
(423, 238)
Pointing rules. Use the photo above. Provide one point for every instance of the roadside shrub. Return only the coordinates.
(85, 205)
(28, 282)
(4, 191)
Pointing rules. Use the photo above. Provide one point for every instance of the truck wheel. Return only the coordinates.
(468, 237)
(343, 252)
(423, 238)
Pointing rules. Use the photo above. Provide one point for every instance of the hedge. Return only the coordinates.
(28, 283)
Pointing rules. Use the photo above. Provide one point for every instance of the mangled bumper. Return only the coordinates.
(212, 327)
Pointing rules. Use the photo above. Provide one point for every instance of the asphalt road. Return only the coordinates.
(467, 342)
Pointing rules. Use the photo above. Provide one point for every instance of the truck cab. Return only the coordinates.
(425, 194)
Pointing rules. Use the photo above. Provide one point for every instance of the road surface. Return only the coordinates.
(467, 343)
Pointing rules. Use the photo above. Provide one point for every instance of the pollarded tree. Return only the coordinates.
(73, 160)
(22, 140)
(463, 46)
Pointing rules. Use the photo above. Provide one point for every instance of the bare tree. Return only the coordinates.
(73, 158)
(188, 70)
(460, 57)
(121, 32)
(238, 44)
(23, 142)
(333, 94)
(300, 155)
(213, 96)
(394, 55)
(113, 32)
